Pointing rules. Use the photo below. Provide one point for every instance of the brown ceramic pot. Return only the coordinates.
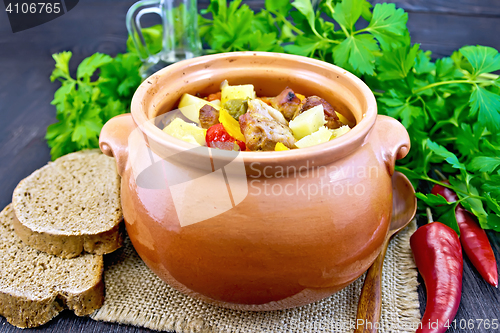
(296, 237)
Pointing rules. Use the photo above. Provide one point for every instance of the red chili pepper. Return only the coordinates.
(438, 256)
(217, 136)
(473, 238)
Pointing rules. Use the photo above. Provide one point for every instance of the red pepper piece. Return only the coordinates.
(217, 135)
(473, 238)
(438, 256)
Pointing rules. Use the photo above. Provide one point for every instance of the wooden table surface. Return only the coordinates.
(99, 26)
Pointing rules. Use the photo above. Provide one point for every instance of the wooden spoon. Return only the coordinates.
(404, 206)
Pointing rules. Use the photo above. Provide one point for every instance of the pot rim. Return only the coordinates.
(338, 148)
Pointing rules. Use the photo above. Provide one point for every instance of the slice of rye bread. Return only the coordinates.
(71, 205)
(36, 286)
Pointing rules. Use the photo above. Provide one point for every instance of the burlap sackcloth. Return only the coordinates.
(134, 295)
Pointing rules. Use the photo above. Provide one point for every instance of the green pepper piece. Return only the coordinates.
(236, 107)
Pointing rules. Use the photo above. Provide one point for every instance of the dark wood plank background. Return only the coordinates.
(441, 26)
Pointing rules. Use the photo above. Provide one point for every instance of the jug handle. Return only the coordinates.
(133, 22)
(113, 139)
(394, 140)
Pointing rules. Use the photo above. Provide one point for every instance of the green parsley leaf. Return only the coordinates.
(445, 69)
(397, 63)
(492, 185)
(89, 65)
(61, 95)
(423, 64)
(432, 199)
(406, 112)
(264, 42)
(83, 106)
(231, 30)
(112, 108)
(62, 65)
(305, 7)
(470, 203)
(120, 78)
(59, 138)
(326, 6)
(445, 154)
(366, 11)
(347, 13)
(492, 203)
(387, 23)
(468, 144)
(304, 46)
(446, 215)
(484, 164)
(391, 102)
(357, 51)
(483, 59)
(282, 6)
(488, 105)
(263, 22)
(494, 222)
(445, 211)
(87, 129)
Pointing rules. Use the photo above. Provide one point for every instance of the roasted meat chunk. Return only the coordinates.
(209, 116)
(287, 103)
(263, 132)
(258, 106)
(332, 120)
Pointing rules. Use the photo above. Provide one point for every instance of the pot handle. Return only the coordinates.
(394, 140)
(113, 140)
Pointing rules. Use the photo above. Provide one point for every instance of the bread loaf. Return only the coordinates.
(36, 286)
(70, 206)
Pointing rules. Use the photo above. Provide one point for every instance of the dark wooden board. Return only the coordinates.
(444, 26)
(99, 26)
(480, 8)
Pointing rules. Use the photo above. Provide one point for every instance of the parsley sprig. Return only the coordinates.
(83, 105)
(450, 106)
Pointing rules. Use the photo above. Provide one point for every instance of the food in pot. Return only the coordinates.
(236, 119)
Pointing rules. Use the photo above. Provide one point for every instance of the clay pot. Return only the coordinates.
(312, 221)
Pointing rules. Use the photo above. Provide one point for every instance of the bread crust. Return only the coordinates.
(24, 308)
(61, 242)
(67, 246)
(23, 312)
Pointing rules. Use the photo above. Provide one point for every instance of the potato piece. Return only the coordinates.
(190, 107)
(320, 136)
(237, 92)
(308, 122)
(339, 131)
(191, 133)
